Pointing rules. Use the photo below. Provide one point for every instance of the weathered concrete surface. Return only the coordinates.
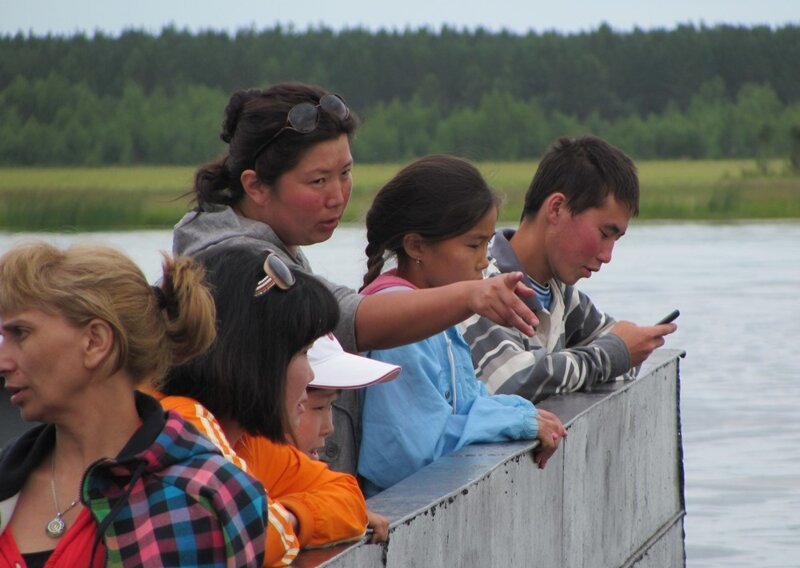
(611, 496)
(667, 550)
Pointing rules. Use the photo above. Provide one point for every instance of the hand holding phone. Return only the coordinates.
(669, 318)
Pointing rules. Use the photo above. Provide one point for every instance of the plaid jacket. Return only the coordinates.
(168, 499)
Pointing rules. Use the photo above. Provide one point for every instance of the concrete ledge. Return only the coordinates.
(611, 496)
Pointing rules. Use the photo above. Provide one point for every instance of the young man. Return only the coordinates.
(578, 205)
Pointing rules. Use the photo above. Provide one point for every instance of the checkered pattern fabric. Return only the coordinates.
(168, 499)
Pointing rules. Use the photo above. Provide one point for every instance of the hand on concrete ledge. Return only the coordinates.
(551, 430)
(379, 525)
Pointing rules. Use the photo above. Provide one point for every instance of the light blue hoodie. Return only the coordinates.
(435, 407)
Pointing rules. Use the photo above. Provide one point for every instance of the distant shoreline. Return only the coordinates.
(156, 197)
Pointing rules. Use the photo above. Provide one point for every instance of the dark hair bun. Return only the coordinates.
(233, 112)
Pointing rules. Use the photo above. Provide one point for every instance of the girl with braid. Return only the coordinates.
(435, 217)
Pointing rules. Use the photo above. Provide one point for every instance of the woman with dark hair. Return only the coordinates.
(283, 183)
(110, 478)
(435, 217)
(247, 392)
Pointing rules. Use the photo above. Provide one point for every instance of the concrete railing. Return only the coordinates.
(611, 496)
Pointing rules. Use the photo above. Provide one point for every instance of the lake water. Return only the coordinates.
(738, 289)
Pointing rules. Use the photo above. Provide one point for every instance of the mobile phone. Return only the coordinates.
(669, 317)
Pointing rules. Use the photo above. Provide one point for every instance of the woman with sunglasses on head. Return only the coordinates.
(283, 183)
(246, 394)
(110, 478)
(435, 217)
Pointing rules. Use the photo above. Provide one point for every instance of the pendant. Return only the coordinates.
(56, 527)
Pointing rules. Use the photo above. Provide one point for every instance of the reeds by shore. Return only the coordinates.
(86, 199)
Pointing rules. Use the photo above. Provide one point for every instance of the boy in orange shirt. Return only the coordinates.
(334, 370)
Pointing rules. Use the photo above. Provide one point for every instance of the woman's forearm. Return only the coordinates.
(396, 318)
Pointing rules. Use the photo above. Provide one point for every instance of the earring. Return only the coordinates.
(418, 261)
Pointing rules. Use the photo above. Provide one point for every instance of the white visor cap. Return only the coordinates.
(335, 368)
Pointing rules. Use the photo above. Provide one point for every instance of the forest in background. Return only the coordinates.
(139, 98)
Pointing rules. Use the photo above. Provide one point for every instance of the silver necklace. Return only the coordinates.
(58, 526)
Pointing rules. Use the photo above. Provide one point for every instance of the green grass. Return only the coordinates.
(84, 199)
(56, 199)
(683, 189)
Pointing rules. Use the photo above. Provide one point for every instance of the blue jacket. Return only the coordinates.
(435, 407)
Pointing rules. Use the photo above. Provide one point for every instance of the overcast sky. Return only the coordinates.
(66, 17)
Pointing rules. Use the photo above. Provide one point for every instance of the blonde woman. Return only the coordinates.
(109, 478)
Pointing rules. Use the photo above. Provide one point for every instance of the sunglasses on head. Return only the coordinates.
(304, 117)
(277, 274)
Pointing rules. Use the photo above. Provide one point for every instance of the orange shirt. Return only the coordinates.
(328, 505)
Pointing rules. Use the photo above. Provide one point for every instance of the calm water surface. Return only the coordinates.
(738, 289)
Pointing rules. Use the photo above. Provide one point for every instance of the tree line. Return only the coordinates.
(139, 98)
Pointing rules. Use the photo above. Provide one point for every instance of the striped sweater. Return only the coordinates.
(571, 351)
